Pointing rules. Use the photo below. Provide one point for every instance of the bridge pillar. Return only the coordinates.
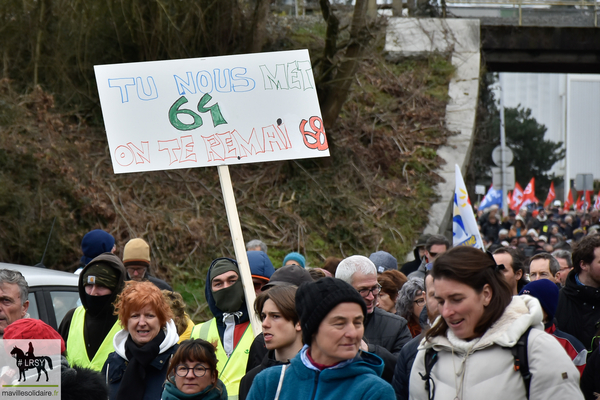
(459, 38)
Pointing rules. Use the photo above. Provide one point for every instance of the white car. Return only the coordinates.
(51, 293)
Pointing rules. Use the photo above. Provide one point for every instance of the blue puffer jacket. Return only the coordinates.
(356, 380)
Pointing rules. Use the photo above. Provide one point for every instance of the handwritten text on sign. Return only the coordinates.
(211, 111)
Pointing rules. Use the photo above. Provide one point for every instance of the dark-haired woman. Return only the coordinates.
(480, 321)
(193, 373)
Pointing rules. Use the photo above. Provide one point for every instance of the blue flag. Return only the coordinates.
(464, 227)
(492, 197)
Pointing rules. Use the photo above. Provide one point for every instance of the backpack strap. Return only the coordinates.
(519, 352)
(431, 357)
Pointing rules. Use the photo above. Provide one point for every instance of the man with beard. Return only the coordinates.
(88, 330)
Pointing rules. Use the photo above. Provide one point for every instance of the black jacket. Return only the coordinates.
(258, 351)
(590, 383)
(413, 265)
(81, 383)
(159, 283)
(401, 379)
(156, 373)
(268, 361)
(578, 310)
(386, 334)
(98, 324)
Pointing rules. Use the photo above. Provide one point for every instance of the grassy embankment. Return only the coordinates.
(373, 193)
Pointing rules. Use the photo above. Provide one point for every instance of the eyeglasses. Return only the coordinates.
(420, 302)
(139, 270)
(182, 370)
(375, 290)
(433, 254)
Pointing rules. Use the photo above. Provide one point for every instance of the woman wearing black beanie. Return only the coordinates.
(331, 364)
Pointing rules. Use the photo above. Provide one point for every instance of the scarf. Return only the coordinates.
(212, 392)
(133, 383)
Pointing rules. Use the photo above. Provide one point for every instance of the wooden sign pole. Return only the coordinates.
(238, 245)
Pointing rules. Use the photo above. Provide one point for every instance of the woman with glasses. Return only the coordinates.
(391, 282)
(193, 373)
(487, 344)
(410, 303)
(137, 369)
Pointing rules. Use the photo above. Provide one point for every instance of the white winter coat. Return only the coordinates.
(484, 368)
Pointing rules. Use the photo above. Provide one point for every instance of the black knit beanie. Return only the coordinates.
(314, 300)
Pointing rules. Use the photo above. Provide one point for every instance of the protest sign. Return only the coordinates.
(213, 111)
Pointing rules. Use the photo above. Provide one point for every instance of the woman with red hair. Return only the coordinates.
(143, 348)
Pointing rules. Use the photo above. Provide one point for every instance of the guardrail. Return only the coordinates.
(520, 4)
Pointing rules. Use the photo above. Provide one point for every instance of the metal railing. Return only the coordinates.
(530, 4)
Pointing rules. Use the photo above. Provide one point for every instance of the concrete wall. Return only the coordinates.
(410, 37)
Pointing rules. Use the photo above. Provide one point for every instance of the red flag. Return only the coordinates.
(569, 201)
(588, 200)
(516, 198)
(529, 194)
(597, 202)
(579, 202)
(509, 198)
(551, 196)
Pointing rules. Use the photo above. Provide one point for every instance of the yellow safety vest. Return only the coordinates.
(76, 349)
(232, 369)
(188, 330)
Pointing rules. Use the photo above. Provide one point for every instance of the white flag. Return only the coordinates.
(464, 226)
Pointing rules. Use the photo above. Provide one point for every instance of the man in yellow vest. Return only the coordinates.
(230, 328)
(88, 330)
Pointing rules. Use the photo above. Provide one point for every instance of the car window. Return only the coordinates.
(63, 301)
(33, 308)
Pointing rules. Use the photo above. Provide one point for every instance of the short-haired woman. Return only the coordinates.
(192, 373)
(469, 346)
(331, 365)
(391, 282)
(137, 369)
(410, 303)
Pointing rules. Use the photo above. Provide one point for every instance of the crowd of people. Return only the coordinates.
(520, 320)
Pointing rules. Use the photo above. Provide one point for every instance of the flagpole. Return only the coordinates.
(503, 147)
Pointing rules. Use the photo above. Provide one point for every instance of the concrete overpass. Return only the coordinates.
(506, 48)
(476, 43)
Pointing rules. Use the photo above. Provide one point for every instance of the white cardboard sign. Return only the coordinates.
(211, 111)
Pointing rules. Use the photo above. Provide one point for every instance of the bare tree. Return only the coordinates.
(336, 72)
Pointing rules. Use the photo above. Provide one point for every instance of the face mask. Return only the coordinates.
(97, 304)
(231, 298)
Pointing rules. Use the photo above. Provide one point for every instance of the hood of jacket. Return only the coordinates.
(114, 262)
(171, 339)
(522, 312)
(216, 311)
(260, 265)
(363, 363)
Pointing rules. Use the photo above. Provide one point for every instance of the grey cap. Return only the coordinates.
(384, 261)
(289, 275)
(423, 239)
